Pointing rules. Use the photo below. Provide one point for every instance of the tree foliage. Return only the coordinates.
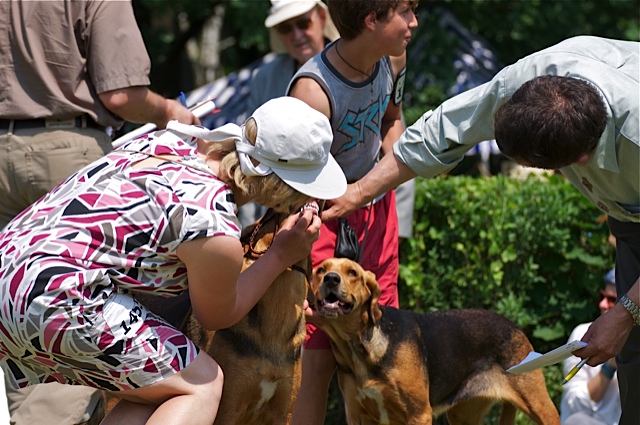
(518, 28)
(512, 28)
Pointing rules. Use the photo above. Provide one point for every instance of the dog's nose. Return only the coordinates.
(331, 280)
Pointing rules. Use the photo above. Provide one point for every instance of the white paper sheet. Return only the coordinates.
(536, 360)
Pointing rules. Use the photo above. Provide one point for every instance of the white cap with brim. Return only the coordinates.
(283, 10)
(293, 141)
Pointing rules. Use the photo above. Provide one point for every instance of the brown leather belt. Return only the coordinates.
(83, 121)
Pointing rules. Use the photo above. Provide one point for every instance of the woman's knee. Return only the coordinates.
(205, 375)
(216, 378)
(202, 378)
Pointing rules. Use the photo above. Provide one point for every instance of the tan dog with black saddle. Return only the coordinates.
(397, 367)
(261, 355)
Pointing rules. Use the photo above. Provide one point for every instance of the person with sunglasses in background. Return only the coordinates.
(592, 396)
(298, 30)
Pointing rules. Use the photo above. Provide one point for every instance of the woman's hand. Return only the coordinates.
(220, 294)
(296, 236)
(312, 316)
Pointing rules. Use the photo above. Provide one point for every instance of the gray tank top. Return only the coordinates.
(356, 111)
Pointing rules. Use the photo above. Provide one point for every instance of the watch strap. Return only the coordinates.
(632, 308)
(607, 370)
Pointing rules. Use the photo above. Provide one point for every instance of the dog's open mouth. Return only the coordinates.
(331, 306)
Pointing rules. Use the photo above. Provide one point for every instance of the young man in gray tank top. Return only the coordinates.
(357, 82)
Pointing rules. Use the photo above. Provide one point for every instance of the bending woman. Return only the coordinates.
(157, 216)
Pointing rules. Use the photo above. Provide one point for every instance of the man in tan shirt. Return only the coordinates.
(70, 73)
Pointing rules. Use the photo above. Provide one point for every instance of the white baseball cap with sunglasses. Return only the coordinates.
(284, 10)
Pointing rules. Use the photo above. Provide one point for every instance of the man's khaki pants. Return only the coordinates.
(32, 162)
(52, 404)
(35, 160)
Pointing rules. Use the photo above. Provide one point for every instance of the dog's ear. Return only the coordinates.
(311, 297)
(372, 284)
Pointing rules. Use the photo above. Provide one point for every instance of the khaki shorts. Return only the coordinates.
(35, 160)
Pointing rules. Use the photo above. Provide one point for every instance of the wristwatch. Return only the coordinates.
(632, 308)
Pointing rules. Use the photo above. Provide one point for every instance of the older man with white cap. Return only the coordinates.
(298, 30)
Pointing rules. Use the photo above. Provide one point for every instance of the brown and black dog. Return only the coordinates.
(261, 355)
(399, 367)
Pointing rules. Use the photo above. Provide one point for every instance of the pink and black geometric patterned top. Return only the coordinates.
(69, 263)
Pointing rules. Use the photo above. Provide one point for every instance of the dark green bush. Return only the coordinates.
(531, 250)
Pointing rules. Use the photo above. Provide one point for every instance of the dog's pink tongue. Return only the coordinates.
(332, 307)
(335, 304)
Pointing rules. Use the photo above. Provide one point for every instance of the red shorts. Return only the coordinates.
(380, 254)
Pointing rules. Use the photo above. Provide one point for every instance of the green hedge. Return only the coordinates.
(531, 250)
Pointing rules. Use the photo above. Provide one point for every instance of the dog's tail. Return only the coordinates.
(507, 414)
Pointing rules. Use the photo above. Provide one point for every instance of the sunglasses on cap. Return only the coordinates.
(303, 24)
